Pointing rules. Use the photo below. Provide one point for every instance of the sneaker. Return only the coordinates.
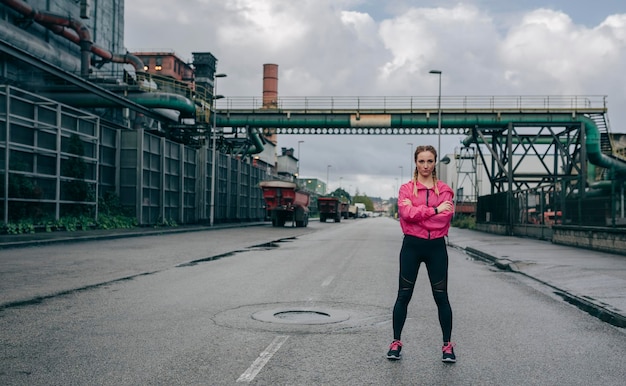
(394, 350)
(448, 353)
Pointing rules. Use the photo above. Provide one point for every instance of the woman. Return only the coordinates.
(425, 209)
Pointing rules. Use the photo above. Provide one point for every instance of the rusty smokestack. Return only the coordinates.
(270, 94)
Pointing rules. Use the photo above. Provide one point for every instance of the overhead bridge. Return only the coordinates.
(404, 115)
(561, 121)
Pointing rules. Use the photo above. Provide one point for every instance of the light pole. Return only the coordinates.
(411, 160)
(340, 182)
(214, 144)
(397, 187)
(401, 178)
(327, 180)
(437, 72)
(299, 142)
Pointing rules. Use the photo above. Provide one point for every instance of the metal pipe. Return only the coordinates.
(163, 100)
(78, 34)
(39, 48)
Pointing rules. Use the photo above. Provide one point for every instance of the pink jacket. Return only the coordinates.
(420, 220)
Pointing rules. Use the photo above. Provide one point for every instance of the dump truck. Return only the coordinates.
(329, 208)
(345, 209)
(284, 202)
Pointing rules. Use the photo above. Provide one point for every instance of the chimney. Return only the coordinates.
(270, 95)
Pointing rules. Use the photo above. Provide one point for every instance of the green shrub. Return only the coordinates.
(464, 222)
(19, 228)
(107, 221)
(165, 223)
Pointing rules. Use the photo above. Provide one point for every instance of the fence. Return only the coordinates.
(48, 157)
(527, 212)
(56, 161)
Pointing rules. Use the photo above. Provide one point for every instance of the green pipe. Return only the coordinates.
(277, 119)
(592, 147)
(539, 140)
(270, 119)
(257, 144)
(255, 137)
(171, 101)
(282, 120)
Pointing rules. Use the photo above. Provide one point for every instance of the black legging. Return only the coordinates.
(434, 254)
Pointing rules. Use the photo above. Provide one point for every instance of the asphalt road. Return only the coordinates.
(292, 306)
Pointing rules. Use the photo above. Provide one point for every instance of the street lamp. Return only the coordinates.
(411, 160)
(401, 178)
(437, 72)
(327, 180)
(214, 144)
(299, 142)
(445, 160)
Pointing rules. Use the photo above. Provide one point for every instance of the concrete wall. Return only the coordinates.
(534, 231)
(599, 239)
(611, 240)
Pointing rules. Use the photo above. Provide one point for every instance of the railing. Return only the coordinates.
(355, 103)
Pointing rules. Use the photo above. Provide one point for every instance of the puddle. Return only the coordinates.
(259, 247)
(210, 258)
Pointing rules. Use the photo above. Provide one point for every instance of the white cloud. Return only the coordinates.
(334, 48)
(547, 53)
(459, 41)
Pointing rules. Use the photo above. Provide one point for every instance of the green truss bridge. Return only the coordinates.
(569, 126)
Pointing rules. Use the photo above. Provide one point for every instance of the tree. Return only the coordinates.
(342, 195)
(369, 205)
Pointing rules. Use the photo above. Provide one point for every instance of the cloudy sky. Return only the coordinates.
(387, 48)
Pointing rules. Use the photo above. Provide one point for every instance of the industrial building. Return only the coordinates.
(85, 120)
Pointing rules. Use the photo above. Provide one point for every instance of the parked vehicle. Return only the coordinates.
(285, 202)
(329, 208)
(549, 217)
(361, 210)
(344, 209)
(353, 211)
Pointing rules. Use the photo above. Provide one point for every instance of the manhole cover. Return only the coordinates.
(301, 316)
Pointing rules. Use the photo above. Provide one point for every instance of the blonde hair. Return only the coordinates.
(418, 150)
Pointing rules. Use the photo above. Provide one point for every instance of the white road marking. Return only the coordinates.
(261, 361)
(328, 280)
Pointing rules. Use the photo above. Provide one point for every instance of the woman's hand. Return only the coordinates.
(446, 205)
(407, 201)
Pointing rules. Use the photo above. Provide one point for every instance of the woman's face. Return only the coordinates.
(425, 163)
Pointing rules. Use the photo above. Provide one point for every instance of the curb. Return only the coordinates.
(69, 238)
(589, 307)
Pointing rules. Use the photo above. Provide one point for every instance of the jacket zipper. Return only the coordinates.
(427, 190)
